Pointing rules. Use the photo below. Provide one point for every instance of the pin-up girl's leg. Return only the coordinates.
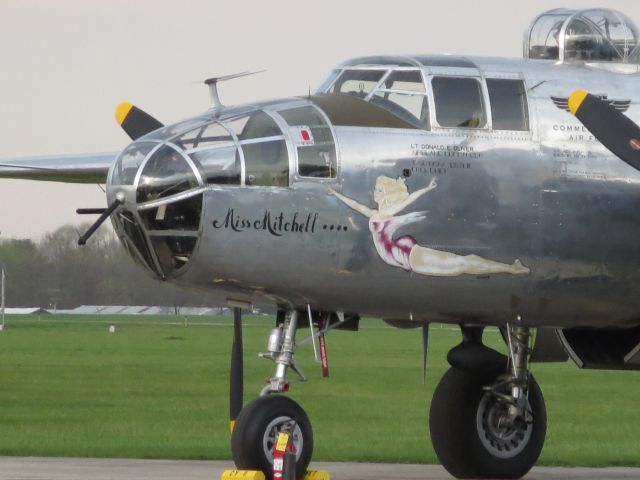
(427, 261)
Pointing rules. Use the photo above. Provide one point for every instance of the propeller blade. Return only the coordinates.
(135, 122)
(615, 130)
(236, 375)
(425, 346)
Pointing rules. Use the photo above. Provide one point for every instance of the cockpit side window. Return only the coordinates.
(266, 160)
(357, 82)
(266, 164)
(312, 136)
(508, 100)
(403, 94)
(458, 102)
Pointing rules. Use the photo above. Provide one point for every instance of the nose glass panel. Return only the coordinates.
(160, 219)
(173, 252)
(166, 173)
(183, 215)
(136, 240)
(129, 161)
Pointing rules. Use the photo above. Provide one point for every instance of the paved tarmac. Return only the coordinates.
(38, 468)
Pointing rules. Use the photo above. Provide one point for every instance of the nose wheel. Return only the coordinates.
(257, 428)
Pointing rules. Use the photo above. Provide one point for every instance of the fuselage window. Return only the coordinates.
(508, 104)
(357, 82)
(403, 94)
(458, 102)
(266, 160)
(266, 164)
(313, 138)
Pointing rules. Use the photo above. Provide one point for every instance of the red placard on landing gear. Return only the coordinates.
(323, 349)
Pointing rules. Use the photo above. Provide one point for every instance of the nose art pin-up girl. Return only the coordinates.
(392, 197)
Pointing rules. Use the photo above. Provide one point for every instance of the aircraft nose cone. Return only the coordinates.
(162, 211)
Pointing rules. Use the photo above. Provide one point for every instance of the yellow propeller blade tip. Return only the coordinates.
(122, 111)
(576, 99)
(232, 425)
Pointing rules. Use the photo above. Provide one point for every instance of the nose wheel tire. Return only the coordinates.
(257, 428)
(469, 436)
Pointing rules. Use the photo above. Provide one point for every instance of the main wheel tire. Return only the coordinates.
(467, 440)
(257, 428)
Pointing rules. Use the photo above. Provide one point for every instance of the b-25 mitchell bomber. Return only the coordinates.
(417, 189)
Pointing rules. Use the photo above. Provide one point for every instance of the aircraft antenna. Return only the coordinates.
(212, 83)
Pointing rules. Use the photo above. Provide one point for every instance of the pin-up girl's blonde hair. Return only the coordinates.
(393, 190)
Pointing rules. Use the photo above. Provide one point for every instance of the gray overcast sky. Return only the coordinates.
(67, 64)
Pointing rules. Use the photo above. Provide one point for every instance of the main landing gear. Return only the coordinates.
(487, 417)
(259, 423)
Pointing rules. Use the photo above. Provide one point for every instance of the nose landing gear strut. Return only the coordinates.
(260, 423)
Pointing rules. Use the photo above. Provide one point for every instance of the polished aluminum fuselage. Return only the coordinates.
(553, 197)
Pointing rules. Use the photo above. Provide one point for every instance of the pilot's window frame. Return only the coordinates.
(455, 100)
(327, 82)
(364, 91)
(382, 85)
(498, 121)
(423, 121)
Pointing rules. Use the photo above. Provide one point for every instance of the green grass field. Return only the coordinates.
(157, 388)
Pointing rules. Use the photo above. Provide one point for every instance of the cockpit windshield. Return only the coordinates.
(357, 82)
(399, 90)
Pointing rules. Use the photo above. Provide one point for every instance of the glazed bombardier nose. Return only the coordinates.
(162, 210)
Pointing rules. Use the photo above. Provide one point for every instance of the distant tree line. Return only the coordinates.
(57, 273)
